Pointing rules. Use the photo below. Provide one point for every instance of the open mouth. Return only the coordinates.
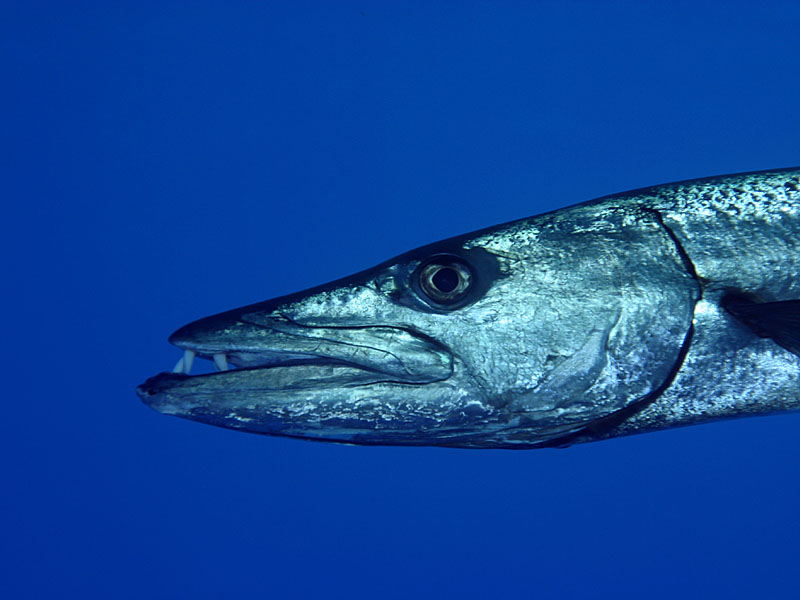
(359, 384)
(272, 354)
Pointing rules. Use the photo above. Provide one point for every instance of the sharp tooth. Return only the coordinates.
(188, 359)
(220, 362)
(179, 367)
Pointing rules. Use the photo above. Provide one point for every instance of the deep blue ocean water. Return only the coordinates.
(166, 161)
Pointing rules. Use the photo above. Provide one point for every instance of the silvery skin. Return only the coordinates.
(656, 308)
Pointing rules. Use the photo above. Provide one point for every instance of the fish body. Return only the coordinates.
(656, 308)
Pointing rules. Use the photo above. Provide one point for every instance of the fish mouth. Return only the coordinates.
(262, 361)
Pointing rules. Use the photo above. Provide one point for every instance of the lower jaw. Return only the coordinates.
(265, 379)
(330, 402)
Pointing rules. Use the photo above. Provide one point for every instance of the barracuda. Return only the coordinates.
(656, 308)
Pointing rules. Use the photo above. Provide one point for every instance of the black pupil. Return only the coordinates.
(445, 280)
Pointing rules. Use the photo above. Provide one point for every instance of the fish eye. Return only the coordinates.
(445, 281)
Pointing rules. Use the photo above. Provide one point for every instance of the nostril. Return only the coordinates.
(144, 391)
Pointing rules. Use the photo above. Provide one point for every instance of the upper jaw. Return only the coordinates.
(260, 340)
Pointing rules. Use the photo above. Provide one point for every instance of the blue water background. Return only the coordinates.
(166, 161)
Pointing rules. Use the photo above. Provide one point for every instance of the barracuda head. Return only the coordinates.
(508, 337)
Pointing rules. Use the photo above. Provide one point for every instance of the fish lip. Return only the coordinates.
(165, 381)
(158, 384)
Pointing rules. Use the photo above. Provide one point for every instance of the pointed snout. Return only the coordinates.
(221, 334)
